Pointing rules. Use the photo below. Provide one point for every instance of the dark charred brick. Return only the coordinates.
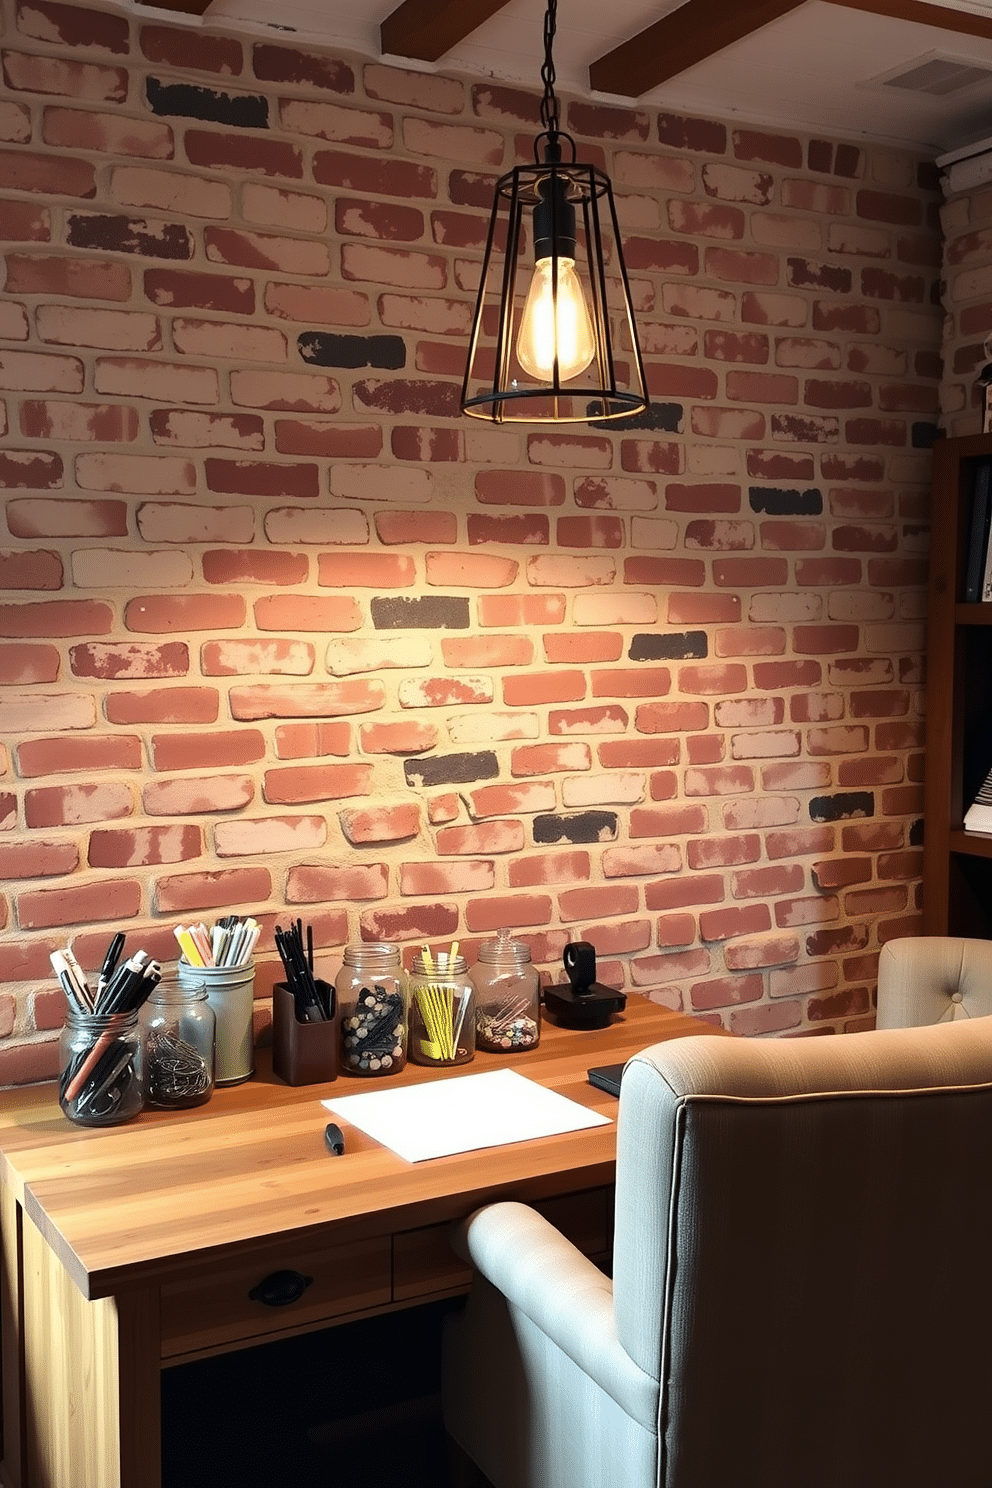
(847, 162)
(653, 647)
(326, 350)
(842, 806)
(130, 235)
(420, 612)
(917, 832)
(776, 503)
(925, 436)
(452, 769)
(187, 101)
(586, 826)
(665, 416)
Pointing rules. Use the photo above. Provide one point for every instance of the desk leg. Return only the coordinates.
(92, 1383)
(11, 1471)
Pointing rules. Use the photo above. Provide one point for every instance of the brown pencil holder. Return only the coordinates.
(302, 1053)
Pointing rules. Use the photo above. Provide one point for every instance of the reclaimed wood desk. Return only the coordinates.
(129, 1250)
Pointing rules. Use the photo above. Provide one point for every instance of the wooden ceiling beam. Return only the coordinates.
(426, 29)
(679, 40)
(180, 7)
(964, 22)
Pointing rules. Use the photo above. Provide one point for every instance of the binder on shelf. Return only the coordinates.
(978, 817)
(978, 542)
(986, 594)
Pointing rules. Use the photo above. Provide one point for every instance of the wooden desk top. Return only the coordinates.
(171, 1194)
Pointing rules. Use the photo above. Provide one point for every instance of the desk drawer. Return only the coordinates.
(217, 1309)
(424, 1263)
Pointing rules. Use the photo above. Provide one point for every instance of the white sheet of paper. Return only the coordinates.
(442, 1117)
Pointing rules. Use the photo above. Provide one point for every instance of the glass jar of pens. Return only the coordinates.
(507, 996)
(101, 1067)
(372, 999)
(442, 1018)
(178, 1031)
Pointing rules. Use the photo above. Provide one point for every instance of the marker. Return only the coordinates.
(334, 1139)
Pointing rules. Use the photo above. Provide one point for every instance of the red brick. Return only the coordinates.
(89, 753)
(663, 718)
(488, 651)
(211, 749)
(686, 890)
(139, 847)
(505, 836)
(41, 74)
(195, 50)
(78, 277)
(241, 889)
(164, 705)
(270, 157)
(501, 911)
(37, 859)
(112, 901)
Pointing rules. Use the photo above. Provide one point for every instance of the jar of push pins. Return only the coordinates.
(371, 995)
(507, 996)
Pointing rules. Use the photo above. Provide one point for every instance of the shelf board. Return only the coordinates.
(971, 844)
(973, 614)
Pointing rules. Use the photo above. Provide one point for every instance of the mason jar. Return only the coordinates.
(101, 1079)
(442, 1020)
(370, 992)
(507, 996)
(178, 1027)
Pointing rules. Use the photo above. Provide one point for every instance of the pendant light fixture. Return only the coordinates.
(543, 348)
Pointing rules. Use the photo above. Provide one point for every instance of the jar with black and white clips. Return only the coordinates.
(370, 990)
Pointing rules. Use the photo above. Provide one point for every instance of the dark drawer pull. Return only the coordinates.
(281, 1288)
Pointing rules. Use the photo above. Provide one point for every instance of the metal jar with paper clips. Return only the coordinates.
(507, 996)
(101, 1080)
(178, 1031)
(370, 991)
(442, 1018)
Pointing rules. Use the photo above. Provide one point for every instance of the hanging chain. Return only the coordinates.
(549, 103)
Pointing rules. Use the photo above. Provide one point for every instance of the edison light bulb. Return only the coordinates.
(545, 325)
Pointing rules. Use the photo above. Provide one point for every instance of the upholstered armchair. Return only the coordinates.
(933, 979)
(801, 1294)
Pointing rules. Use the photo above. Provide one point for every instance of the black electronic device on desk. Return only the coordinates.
(584, 1003)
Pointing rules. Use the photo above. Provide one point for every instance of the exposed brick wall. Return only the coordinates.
(281, 631)
(967, 294)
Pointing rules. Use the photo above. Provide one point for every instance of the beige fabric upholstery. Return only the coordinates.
(932, 979)
(801, 1298)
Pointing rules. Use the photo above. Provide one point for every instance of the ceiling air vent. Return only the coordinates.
(935, 75)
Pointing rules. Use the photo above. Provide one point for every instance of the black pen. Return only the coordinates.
(113, 955)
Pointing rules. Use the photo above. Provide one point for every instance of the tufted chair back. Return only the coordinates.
(933, 979)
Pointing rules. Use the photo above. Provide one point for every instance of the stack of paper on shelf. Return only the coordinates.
(978, 817)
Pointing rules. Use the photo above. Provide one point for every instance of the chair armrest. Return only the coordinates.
(562, 1293)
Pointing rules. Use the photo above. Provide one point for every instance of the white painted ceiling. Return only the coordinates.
(821, 67)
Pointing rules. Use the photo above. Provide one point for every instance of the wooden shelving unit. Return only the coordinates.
(957, 865)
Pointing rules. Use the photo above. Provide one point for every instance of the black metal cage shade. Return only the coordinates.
(576, 221)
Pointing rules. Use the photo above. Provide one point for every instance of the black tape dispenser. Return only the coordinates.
(584, 1003)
